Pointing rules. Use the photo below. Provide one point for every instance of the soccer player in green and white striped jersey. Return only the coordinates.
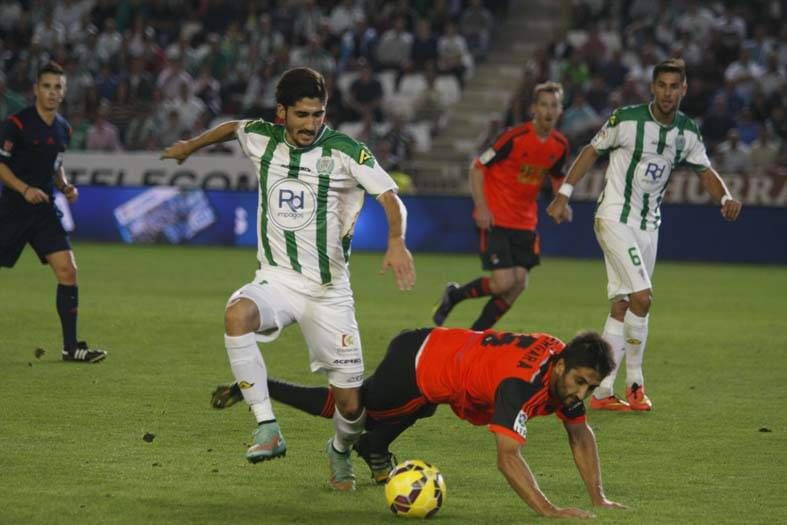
(311, 189)
(645, 143)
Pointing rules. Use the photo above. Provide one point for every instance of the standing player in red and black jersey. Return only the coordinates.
(32, 143)
(488, 378)
(506, 181)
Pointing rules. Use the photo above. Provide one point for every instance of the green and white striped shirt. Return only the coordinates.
(642, 154)
(309, 198)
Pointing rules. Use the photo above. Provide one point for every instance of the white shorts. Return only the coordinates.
(629, 255)
(326, 315)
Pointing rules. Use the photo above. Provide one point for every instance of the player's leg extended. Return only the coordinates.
(314, 400)
(241, 320)
(604, 396)
(67, 302)
(635, 333)
(506, 285)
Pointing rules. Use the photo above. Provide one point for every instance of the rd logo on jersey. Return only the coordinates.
(291, 204)
(654, 174)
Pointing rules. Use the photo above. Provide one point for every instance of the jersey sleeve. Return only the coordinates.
(10, 136)
(500, 150)
(510, 417)
(242, 133)
(368, 172)
(607, 137)
(696, 156)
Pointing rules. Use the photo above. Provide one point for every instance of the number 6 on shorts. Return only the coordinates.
(634, 256)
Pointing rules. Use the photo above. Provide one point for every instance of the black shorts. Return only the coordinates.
(392, 393)
(40, 227)
(507, 248)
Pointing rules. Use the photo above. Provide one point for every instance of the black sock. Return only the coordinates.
(477, 288)
(493, 310)
(67, 307)
(317, 401)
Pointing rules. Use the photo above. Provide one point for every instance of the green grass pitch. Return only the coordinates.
(71, 436)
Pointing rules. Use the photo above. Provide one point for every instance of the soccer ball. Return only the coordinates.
(415, 489)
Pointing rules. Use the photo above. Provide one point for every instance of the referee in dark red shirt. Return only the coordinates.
(32, 144)
(506, 181)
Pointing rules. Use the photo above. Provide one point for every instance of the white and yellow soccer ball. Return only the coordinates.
(415, 489)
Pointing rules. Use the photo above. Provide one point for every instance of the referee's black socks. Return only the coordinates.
(67, 307)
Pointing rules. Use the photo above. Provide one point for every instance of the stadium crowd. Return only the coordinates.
(143, 74)
(736, 56)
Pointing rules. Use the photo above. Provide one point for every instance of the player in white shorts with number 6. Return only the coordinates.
(311, 190)
(645, 143)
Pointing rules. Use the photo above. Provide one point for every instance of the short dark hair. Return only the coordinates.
(50, 67)
(673, 65)
(556, 88)
(589, 349)
(298, 83)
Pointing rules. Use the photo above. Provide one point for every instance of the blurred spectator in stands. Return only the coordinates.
(260, 97)
(188, 106)
(102, 134)
(365, 95)
(357, 43)
(102, 10)
(580, 120)
(732, 155)
(109, 42)
(342, 16)
(761, 44)
(476, 25)
(778, 121)
(401, 9)
(698, 97)
(170, 130)
(697, 20)
(140, 81)
(747, 128)
(773, 80)
(173, 76)
(744, 74)
(717, 123)
(631, 91)
(428, 105)
(576, 69)
(369, 132)
(141, 131)
(519, 110)
(11, 13)
(597, 94)
(122, 109)
(594, 50)
(218, 15)
(307, 21)
(79, 128)
(106, 82)
(49, 32)
(267, 37)
(764, 152)
(215, 58)
(314, 55)
(395, 46)
(613, 70)
(335, 110)
(452, 54)
(442, 12)
(208, 89)
(399, 141)
(10, 100)
(424, 47)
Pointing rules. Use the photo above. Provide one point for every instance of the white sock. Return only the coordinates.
(250, 373)
(613, 333)
(635, 332)
(347, 432)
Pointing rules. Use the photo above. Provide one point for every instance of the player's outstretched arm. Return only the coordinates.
(557, 209)
(519, 476)
(397, 256)
(583, 446)
(730, 207)
(181, 150)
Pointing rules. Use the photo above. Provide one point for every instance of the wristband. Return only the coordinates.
(724, 199)
(566, 189)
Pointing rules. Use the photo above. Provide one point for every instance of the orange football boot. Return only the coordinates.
(635, 394)
(612, 402)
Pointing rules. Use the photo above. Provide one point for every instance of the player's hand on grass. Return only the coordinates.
(557, 209)
(731, 209)
(399, 259)
(71, 193)
(570, 512)
(35, 195)
(604, 503)
(179, 151)
(484, 218)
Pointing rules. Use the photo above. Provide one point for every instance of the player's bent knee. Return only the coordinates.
(640, 302)
(241, 317)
